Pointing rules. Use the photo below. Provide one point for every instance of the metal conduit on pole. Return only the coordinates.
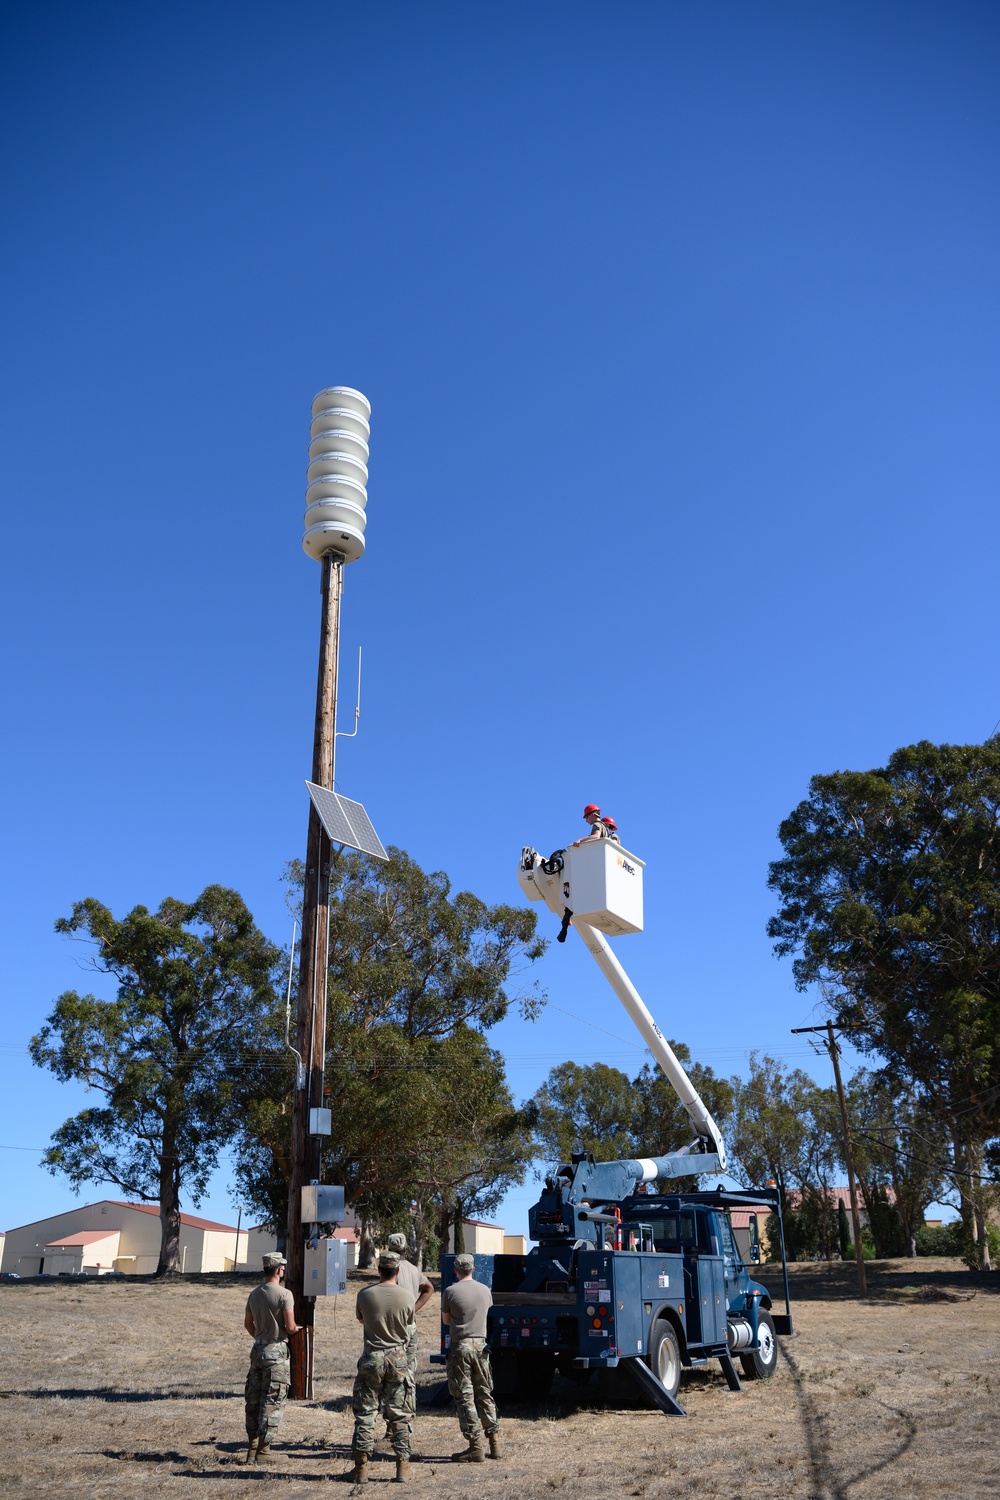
(335, 521)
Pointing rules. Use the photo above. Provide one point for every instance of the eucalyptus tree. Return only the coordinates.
(193, 991)
(889, 898)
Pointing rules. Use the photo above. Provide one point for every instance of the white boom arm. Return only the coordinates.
(547, 884)
(705, 1127)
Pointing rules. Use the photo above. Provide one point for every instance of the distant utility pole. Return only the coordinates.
(335, 522)
(834, 1051)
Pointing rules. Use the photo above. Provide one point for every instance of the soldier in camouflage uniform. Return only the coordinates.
(411, 1280)
(270, 1318)
(384, 1377)
(464, 1308)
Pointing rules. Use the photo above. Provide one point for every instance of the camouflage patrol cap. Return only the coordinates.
(397, 1242)
(464, 1263)
(272, 1262)
(388, 1260)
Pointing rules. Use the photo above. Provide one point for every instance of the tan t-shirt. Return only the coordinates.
(467, 1302)
(409, 1278)
(266, 1305)
(387, 1313)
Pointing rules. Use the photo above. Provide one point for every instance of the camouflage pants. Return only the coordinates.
(411, 1353)
(267, 1390)
(384, 1379)
(470, 1381)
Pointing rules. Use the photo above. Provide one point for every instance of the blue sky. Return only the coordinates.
(679, 324)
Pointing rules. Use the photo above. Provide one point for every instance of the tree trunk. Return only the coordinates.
(983, 1240)
(170, 1208)
(459, 1229)
(366, 1248)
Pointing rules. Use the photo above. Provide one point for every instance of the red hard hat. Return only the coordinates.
(611, 823)
(590, 807)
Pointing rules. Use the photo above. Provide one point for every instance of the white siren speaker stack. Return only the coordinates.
(337, 487)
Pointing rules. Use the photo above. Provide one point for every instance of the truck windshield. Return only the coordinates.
(673, 1231)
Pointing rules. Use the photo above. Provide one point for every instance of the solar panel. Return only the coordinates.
(346, 822)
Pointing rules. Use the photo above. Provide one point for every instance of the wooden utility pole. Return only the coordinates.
(834, 1051)
(310, 1028)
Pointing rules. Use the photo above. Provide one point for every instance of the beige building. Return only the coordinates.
(113, 1236)
(480, 1238)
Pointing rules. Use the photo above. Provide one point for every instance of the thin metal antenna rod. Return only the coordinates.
(342, 734)
(300, 1067)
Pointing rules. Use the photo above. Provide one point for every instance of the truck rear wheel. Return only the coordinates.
(760, 1363)
(665, 1357)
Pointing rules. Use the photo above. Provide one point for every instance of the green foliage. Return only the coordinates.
(899, 1157)
(590, 1108)
(954, 1239)
(890, 899)
(941, 1239)
(598, 1109)
(785, 1129)
(420, 1101)
(194, 986)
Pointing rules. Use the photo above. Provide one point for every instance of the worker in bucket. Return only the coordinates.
(270, 1318)
(464, 1307)
(591, 815)
(612, 828)
(598, 830)
(383, 1377)
(415, 1282)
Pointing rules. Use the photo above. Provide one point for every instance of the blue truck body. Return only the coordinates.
(643, 1283)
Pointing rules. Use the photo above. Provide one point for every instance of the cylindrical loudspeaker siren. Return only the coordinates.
(339, 442)
(336, 491)
(336, 487)
(338, 512)
(332, 462)
(346, 398)
(330, 536)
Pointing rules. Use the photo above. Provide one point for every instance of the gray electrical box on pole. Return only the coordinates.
(326, 1268)
(322, 1204)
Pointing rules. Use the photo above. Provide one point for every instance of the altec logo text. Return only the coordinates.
(629, 869)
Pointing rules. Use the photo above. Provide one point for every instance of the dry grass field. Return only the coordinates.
(113, 1389)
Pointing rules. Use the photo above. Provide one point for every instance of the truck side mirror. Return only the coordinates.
(754, 1241)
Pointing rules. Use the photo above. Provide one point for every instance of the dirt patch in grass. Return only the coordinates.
(122, 1389)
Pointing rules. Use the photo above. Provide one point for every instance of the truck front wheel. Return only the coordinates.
(760, 1363)
(665, 1357)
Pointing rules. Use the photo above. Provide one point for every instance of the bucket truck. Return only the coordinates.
(622, 1279)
